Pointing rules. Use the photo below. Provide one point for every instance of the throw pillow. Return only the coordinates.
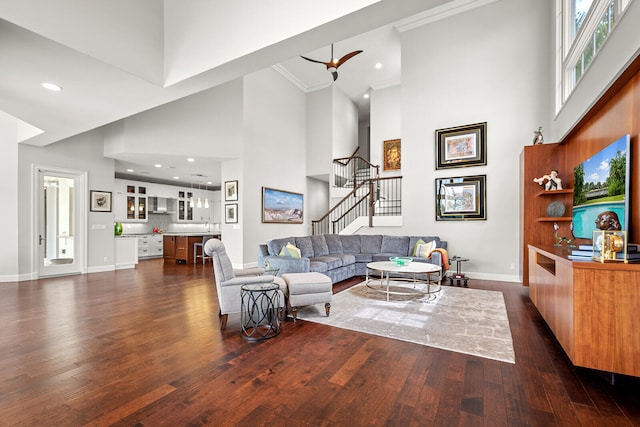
(424, 250)
(415, 248)
(290, 250)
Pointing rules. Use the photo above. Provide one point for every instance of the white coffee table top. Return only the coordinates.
(412, 267)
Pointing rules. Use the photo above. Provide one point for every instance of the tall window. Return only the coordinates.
(583, 27)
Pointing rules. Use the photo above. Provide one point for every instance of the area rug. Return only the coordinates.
(464, 320)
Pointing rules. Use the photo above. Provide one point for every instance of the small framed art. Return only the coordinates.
(231, 213)
(230, 191)
(392, 155)
(100, 201)
(461, 198)
(461, 146)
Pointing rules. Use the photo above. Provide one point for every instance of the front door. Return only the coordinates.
(60, 238)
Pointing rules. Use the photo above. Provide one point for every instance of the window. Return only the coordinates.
(582, 28)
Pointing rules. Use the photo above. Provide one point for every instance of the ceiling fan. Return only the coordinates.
(333, 64)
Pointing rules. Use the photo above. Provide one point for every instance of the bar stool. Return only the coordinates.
(201, 254)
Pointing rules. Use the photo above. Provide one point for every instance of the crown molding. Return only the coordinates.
(384, 85)
(293, 79)
(438, 13)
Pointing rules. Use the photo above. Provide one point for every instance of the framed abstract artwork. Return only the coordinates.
(391, 155)
(461, 198)
(461, 146)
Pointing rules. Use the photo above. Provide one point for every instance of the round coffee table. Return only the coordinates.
(409, 272)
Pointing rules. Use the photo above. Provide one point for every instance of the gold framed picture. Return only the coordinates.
(392, 155)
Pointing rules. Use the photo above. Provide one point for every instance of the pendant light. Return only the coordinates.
(191, 203)
(206, 199)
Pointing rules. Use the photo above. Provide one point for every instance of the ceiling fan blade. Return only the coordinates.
(315, 60)
(334, 73)
(347, 57)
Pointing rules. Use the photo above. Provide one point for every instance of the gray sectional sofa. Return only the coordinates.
(342, 256)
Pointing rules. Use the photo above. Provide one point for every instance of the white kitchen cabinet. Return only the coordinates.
(150, 245)
(156, 245)
(131, 202)
(126, 252)
(143, 246)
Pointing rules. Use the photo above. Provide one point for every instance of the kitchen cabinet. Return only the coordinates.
(130, 203)
(143, 246)
(169, 247)
(180, 247)
(156, 245)
(126, 252)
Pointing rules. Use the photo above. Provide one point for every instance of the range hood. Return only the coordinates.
(162, 205)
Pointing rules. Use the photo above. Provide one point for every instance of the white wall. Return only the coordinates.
(9, 214)
(489, 65)
(274, 147)
(345, 125)
(82, 152)
(207, 123)
(317, 200)
(386, 124)
(319, 133)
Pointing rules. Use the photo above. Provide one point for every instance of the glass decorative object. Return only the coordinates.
(609, 246)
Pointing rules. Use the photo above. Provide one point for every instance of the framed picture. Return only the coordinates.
(392, 155)
(461, 146)
(461, 199)
(100, 201)
(231, 213)
(280, 206)
(230, 191)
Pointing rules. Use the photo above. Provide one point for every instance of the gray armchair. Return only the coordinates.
(229, 280)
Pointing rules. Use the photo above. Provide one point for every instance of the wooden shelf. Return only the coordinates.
(554, 192)
(558, 219)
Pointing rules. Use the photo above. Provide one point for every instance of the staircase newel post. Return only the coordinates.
(371, 203)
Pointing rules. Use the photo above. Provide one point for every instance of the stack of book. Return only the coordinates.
(585, 253)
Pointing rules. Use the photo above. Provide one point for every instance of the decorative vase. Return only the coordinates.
(117, 228)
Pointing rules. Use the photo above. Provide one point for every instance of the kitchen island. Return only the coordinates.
(179, 246)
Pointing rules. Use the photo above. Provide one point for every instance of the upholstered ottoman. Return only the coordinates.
(307, 289)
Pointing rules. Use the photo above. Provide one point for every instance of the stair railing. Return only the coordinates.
(373, 197)
(349, 172)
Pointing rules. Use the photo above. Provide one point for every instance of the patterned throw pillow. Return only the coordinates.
(290, 250)
(415, 248)
(424, 250)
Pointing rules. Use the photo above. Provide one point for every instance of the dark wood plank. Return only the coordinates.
(143, 347)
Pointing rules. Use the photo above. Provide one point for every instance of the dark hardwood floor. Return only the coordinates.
(142, 347)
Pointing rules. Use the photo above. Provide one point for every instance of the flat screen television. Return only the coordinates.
(601, 184)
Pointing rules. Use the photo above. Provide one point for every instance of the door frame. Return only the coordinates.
(80, 206)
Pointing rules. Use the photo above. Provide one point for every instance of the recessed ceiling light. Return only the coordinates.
(158, 165)
(366, 96)
(129, 170)
(209, 182)
(52, 86)
(176, 177)
(191, 159)
(378, 65)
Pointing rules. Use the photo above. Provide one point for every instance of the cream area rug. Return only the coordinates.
(464, 320)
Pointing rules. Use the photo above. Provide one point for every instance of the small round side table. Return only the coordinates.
(260, 309)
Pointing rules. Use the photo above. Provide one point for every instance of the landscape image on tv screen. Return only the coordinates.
(601, 184)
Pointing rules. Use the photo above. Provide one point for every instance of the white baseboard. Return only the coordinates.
(495, 277)
(101, 269)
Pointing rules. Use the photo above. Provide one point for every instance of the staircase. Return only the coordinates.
(370, 196)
